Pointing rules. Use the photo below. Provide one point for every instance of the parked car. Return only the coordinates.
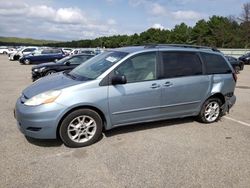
(67, 63)
(75, 51)
(86, 51)
(127, 86)
(245, 58)
(67, 50)
(237, 64)
(13, 52)
(45, 56)
(4, 50)
(21, 52)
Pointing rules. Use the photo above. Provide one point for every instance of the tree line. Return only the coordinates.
(218, 31)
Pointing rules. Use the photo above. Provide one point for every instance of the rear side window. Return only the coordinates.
(215, 64)
(178, 64)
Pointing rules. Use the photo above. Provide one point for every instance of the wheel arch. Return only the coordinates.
(82, 107)
(219, 96)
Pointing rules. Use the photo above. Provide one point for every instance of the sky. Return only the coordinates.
(67, 20)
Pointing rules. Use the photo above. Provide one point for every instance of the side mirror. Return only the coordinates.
(119, 80)
(67, 63)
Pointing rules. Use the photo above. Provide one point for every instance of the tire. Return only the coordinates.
(16, 57)
(50, 72)
(207, 117)
(237, 69)
(242, 66)
(26, 61)
(74, 133)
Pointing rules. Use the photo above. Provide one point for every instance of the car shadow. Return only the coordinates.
(45, 142)
(116, 131)
(146, 126)
(50, 142)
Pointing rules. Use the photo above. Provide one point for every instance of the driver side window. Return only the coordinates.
(75, 60)
(139, 68)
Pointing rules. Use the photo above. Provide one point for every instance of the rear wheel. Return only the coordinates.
(237, 69)
(241, 66)
(211, 111)
(81, 128)
(26, 61)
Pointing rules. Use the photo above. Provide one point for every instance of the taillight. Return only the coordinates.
(235, 77)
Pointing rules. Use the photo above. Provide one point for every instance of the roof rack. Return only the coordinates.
(180, 46)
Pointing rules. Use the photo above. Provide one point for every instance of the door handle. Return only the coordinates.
(168, 84)
(155, 85)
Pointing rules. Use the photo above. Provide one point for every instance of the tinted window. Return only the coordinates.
(78, 60)
(139, 68)
(177, 64)
(85, 58)
(29, 49)
(56, 51)
(215, 64)
(75, 60)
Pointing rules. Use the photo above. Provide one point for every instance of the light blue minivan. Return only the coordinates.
(127, 86)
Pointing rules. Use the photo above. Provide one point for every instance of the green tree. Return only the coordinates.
(181, 34)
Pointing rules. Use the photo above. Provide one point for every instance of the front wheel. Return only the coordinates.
(81, 128)
(211, 111)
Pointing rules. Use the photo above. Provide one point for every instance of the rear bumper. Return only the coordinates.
(229, 102)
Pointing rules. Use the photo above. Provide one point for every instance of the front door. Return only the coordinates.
(139, 99)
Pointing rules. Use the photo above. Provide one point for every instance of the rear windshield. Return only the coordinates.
(215, 64)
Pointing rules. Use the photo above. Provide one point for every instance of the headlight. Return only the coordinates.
(43, 98)
(35, 70)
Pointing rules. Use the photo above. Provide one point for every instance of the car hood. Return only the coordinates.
(53, 82)
(44, 65)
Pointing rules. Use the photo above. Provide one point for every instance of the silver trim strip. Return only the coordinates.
(154, 107)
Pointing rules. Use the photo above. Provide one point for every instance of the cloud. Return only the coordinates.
(111, 22)
(43, 21)
(158, 26)
(187, 15)
(157, 10)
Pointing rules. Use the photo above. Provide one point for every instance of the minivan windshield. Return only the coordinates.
(97, 65)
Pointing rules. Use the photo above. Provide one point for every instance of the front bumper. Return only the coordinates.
(36, 75)
(38, 121)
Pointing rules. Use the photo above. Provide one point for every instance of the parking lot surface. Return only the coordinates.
(175, 153)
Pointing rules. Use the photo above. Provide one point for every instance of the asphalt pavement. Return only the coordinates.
(175, 153)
